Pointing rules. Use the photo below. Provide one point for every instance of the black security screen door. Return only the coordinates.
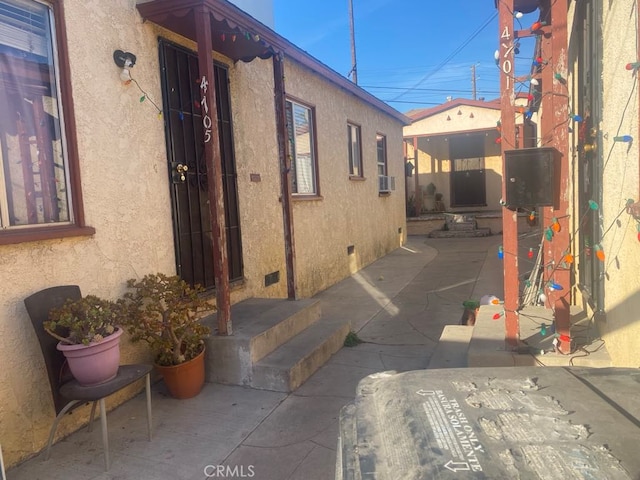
(187, 168)
(468, 179)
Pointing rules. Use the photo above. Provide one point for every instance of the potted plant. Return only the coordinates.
(89, 337)
(166, 312)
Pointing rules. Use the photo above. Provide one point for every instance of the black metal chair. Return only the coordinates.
(68, 393)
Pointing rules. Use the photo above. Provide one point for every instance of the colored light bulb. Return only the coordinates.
(577, 118)
(568, 258)
(633, 66)
(496, 316)
(530, 253)
(543, 298)
(556, 286)
(555, 226)
(548, 233)
(593, 205)
(543, 329)
(534, 82)
(499, 140)
(532, 216)
(565, 338)
(600, 254)
(500, 252)
(623, 138)
(536, 26)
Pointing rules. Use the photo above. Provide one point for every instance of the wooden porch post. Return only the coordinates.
(555, 115)
(285, 172)
(506, 60)
(418, 194)
(213, 161)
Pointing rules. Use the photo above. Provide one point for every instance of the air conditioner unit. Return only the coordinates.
(386, 183)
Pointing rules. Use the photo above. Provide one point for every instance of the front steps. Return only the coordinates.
(276, 344)
(460, 226)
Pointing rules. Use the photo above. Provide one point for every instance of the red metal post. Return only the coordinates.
(213, 161)
(555, 123)
(506, 59)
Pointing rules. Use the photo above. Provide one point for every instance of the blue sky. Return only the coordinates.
(402, 45)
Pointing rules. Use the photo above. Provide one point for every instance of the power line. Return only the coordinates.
(444, 90)
(453, 54)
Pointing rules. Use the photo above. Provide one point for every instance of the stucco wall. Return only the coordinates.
(350, 212)
(126, 198)
(256, 152)
(621, 330)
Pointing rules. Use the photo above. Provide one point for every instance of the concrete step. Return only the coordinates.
(451, 351)
(289, 366)
(478, 232)
(487, 347)
(260, 326)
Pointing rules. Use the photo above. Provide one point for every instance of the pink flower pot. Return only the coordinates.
(95, 363)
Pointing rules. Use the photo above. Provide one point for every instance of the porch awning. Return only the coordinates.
(234, 33)
(239, 36)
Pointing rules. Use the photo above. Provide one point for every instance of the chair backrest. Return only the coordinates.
(38, 306)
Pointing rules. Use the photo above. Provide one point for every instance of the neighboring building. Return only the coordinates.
(93, 184)
(453, 152)
(587, 107)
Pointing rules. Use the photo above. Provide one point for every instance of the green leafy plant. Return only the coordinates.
(166, 312)
(352, 340)
(83, 321)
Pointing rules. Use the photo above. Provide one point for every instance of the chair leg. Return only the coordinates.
(55, 425)
(93, 416)
(105, 433)
(148, 389)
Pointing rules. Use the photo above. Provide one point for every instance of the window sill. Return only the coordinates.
(8, 237)
(384, 194)
(306, 198)
(357, 178)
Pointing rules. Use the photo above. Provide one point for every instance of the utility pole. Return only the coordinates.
(473, 82)
(354, 64)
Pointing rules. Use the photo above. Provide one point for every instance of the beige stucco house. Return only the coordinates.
(454, 150)
(603, 66)
(108, 105)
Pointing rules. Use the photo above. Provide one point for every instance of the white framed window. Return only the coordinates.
(301, 132)
(381, 149)
(38, 168)
(355, 150)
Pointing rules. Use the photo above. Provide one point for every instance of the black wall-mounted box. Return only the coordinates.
(530, 176)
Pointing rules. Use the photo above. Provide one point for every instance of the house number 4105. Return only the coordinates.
(206, 118)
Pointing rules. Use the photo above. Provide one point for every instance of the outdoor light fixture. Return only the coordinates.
(124, 60)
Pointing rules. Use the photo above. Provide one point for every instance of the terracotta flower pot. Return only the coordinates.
(95, 363)
(184, 380)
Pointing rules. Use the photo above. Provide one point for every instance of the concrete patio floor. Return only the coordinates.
(399, 306)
